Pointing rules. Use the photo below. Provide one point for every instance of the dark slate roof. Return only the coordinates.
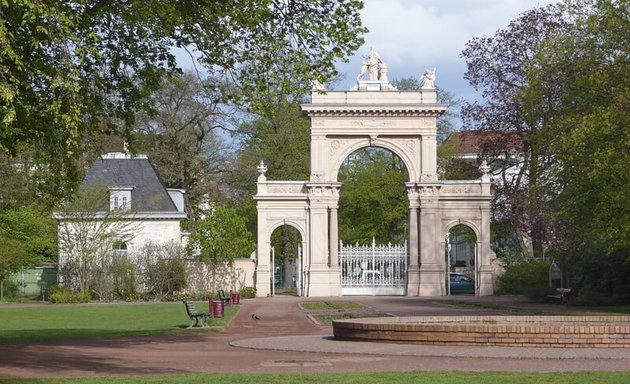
(148, 194)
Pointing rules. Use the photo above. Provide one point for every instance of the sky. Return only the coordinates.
(413, 35)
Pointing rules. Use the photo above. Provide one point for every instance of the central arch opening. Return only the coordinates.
(286, 261)
(373, 222)
(461, 260)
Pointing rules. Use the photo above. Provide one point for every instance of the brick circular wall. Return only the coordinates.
(521, 331)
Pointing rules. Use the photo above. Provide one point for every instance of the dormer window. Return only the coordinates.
(120, 198)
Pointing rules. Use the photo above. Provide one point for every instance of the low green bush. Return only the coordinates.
(248, 293)
(528, 277)
(62, 295)
(10, 290)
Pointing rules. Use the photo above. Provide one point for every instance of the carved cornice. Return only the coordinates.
(373, 110)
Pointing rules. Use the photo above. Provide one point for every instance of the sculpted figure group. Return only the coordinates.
(374, 66)
(376, 69)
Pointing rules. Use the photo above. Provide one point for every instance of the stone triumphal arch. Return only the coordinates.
(374, 114)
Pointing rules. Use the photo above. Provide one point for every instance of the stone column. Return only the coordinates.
(323, 276)
(413, 269)
(263, 251)
(431, 262)
(486, 254)
(334, 238)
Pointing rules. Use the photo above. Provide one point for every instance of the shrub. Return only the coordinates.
(198, 296)
(62, 295)
(248, 292)
(163, 268)
(125, 285)
(529, 277)
(10, 290)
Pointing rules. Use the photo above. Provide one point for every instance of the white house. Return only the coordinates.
(151, 213)
(139, 210)
(139, 195)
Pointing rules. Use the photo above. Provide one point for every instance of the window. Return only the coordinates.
(120, 198)
(120, 249)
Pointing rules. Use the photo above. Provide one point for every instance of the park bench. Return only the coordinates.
(561, 295)
(223, 297)
(197, 319)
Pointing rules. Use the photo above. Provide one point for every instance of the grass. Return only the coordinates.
(99, 321)
(449, 377)
(324, 312)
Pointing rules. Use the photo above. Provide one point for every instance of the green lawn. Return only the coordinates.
(98, 321)
(48, 322)
(365, 378)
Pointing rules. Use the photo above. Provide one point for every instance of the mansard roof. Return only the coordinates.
(114, 171)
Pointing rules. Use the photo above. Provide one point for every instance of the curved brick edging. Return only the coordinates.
(513, 331)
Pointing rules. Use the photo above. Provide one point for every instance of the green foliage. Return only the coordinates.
(220, 237)
(453, 168)
(28, 237)
(125, 281)
(373, 200)
(248, 292)
(585, 72)
(63, 295)
(603, 275)
(279, 136)
(70, 71)
(525, 276)
(10, 290)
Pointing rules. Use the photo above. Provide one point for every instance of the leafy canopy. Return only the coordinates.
(221, 237)
(71, 70)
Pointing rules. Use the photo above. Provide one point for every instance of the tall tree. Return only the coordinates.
(498, 67)
(281, 138)
(219, 238)
(181, 137)
(70, 69)
(584, 75)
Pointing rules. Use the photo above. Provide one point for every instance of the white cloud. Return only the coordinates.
(411, 35)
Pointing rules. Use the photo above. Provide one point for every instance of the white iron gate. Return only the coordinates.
(373, 270)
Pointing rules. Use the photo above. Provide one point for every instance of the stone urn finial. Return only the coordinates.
(484, 168)
(262, 168)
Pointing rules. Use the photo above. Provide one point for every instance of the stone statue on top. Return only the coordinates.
(374, 66)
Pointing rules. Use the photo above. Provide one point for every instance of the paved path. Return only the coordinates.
(285, 340)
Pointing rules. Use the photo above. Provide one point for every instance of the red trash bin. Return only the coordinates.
(217, 308)
(235, 298)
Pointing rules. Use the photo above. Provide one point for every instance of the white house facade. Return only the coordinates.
(151, 212)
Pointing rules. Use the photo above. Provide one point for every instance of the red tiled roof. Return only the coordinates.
(478, 141)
